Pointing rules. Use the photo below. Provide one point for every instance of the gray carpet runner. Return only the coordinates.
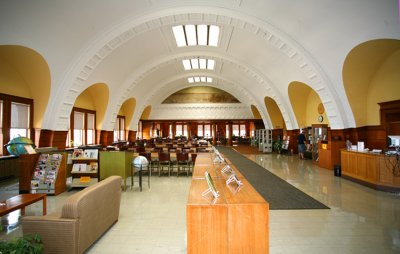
(278, 193)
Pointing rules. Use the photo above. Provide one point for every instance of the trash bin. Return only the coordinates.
(337, 170)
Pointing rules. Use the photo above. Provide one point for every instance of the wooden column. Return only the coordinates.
(173, 130)
(230, 134)
(106, 137)
(132, 136)
(189, 128)
(59, 139)
(214, 133)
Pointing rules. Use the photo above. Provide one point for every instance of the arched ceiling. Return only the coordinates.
(264, 45)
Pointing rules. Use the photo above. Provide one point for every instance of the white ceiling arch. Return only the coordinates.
(99, 50)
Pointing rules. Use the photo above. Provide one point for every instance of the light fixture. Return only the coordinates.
(193, 35)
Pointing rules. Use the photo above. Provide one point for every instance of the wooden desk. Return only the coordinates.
(235, 222)
(372, 170)
(20, 202)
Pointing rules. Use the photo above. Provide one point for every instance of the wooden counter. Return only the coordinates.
(372, 170)
(235, 222)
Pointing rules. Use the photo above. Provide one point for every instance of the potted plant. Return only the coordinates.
(28, 244)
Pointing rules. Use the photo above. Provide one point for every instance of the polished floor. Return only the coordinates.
(361, 220)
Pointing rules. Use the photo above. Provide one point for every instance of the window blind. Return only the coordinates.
(20, 115)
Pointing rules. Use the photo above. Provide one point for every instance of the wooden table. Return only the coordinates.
(20, 202)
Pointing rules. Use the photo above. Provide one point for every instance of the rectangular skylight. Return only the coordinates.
(210, 64)
(203, 63)
(196, 79)
(203, 79)
(213, 36)
(209, 80)
(186, 64)
(191, 35)
(191, 80)
(195, 63)
(202, 33)
(179, 36)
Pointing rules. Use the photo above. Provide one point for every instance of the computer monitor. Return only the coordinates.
(393, 141)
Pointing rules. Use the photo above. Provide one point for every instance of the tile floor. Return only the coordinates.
(361, 220)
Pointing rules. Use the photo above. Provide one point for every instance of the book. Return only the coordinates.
(79, 167)
(91, 153)
(78, 153)
(84, 179)
(93, 166)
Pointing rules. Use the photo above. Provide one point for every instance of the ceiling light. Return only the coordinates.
(198, 79)
(198, 63)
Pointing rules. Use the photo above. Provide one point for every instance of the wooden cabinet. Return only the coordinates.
(235, 222)
(374, 170)
(329, 153)
(116, 163)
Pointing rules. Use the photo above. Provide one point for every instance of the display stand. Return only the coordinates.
(49, 174)
(85, 167)
(319, 133)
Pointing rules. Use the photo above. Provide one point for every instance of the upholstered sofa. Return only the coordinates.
(84, 217)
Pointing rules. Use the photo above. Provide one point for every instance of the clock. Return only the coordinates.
(320, 119)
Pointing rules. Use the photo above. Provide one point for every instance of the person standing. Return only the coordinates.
(301, 144)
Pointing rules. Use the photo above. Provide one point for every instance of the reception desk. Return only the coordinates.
(235, 222)
(377, 171)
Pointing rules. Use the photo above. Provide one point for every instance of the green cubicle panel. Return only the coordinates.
(116, 163)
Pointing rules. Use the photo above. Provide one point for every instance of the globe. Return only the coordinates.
(140, 162)
(16, 146)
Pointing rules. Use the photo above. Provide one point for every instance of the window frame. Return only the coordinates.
(6, 121)
(85, 123)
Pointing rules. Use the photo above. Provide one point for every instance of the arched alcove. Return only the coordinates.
(255, 111)
(25, 73)
(146, 113)
(274, 113)
(306, 104)
(371, 75)
(95, 97)
(127, 109)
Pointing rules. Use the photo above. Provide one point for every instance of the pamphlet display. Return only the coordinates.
(85, 167)
(211, 186)
(45, 173)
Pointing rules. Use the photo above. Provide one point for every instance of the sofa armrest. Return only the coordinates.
(59, 235)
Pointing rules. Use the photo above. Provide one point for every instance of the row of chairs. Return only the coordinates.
(183, 163)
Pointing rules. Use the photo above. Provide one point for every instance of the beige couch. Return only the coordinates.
(84, 217)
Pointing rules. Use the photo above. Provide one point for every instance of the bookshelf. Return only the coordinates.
(85, 167)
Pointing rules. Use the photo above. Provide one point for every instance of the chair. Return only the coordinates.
(192, 162)
(182, 162)
(164, 161)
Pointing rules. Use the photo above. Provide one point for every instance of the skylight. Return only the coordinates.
(198, 79)
(192, 35)
(198, 63)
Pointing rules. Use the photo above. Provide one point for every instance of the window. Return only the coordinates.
(227, 131)
(192, 35)
(243, 130)
(16, 119)
(200, 130)
(207, 130)
(83, 130)
(235, 130)
(179, 130)
(119, 128)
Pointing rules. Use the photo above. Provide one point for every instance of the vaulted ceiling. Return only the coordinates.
(129, 46)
